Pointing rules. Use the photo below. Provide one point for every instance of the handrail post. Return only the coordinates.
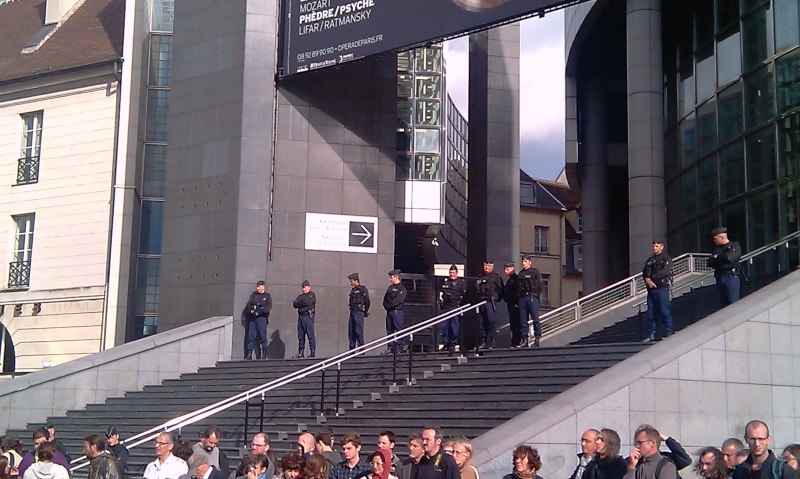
(691, 263)
(322, 395)
(338, 385)
(633, 286)
(261, 419)
(578, 311)
(410, 355)
(394, 363)
(246, 416)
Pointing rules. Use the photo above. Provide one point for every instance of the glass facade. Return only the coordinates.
(455, 214)
(732, 92)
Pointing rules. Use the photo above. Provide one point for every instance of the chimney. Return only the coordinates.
(56, 10)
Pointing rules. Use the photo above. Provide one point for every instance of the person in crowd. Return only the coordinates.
(259, 306)
(531, 286)
(39, 438)
(5, 468)
(511, 297)
(677, 454)
(409, 469)
(645, 458)
(306, 305)
(306, 445)
(102, 464)
(657, 272)
(323, 448)
(462, 453)
(447, 446)
(730, 448)
(166, 465)
(209, 439)
(741, 456)
(117, 449)
(437, 464)
(60, 447)
(710, 464)
(292, 465)
(352, 466)
(358, 303)
(607, 463)
(45, 468)
(451, 296)
(790, 454)
(525, 462)
(756, 435)
(182, 450)
(259, 445)
(588, 448)
(199, 468)
(13, 450)
(386, 440)
(316, 467)
(488, 287)
(393, 301)
(381, 462)
(258, 468)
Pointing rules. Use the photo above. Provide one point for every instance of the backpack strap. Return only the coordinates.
(777, 468)
(660, 466)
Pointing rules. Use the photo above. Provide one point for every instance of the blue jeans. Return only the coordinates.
(450, 329)
(487, 321)
(728, 288)
(529, 305)
(257, 333)
(658, 306)
(355, 329)
(305, 327)
(394, 323)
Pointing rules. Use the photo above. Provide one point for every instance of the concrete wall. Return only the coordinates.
(550, 263)
(130, 367)
(700, 386)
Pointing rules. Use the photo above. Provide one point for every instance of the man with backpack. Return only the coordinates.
(645, 461)
(762, 463)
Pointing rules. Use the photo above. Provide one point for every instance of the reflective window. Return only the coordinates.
(163, 14)
(427, 167)
(761, 157)
(734, 217)
(730, 113)
(707, 182)
(727, 15)
(688, 141)
(405, 85)
(687, 92)
(152, 222)
(157, 102)
(155, 170)
(787, 79)
(144, 326)
(763, 220)
(160, 60)
(790, 206)
(147, 284)
(689, 193)
(789, 146)
(706, 74)
(427, 140)
(704, 18)
(757, 39)
(707, 128)
(428, 113)
(673, 202)
(689, 237)
(787, 29)
(671, 154)
(403, 167)
(429, 60)
(729, 58)
(759, 96)
(731, 171)
(429, 86)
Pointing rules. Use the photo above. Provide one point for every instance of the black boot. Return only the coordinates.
(248, 356)
(490, 343)
(482, 345)
(300, 354)
(536, 342)
(649, 338)
(313, 354)
(263, 354)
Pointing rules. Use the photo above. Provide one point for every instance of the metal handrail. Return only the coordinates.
(200, 414)
(745, 257)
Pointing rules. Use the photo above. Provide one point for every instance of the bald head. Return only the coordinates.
(306, 443)
(589, 442)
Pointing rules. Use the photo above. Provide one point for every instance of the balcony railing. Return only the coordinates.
(19, 274)
(28, 170)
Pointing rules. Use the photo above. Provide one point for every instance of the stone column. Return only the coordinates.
(647, 210)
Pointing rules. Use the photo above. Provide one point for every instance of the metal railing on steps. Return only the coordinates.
(320, 366)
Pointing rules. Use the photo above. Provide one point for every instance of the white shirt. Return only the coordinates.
(172, 468)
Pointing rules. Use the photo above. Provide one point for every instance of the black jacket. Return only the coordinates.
(453, 292)
(658, 268)
(609, 468)
(359, 299)
(440, 466)
(259, 304)
(745, 469)
(530, 282)
(121, 453)
(677, 454)
(511, 289)
(395, 297)
(489, 287)
(305, 303)
(725, 259)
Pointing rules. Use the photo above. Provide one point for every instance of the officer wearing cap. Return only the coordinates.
(306, 305)
(511, 297)
(117, 448)
(451, 296)
(258, 307)
(393, 302)
(530, 290)
(725, 261)
(656, 274)
(358, 301)
(488, 288)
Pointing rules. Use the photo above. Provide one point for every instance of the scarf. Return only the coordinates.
(387, 464)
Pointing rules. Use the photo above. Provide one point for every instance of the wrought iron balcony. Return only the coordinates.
(28, 170)
(19, 274)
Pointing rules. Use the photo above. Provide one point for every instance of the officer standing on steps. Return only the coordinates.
(306, 305)
(451, 297)
(488, 288)
(725, 261)
(259, 305)
(656, 274)
(511, 297)
(358, 301)
(393, 302)
(530, 290)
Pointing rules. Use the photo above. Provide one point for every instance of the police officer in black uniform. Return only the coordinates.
(530, 290)
(358, 302)
(725, 261)
(306, 305)
(656, 274)
(488, 288)
(393, 302)
(511, 298)
(451, 296)
(259, 305)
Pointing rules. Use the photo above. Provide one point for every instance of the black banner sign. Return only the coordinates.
(323, 33)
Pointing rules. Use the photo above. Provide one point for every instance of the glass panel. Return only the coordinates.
(689, 237)
(748, 5)
(761, 157)
(757, 40)
(163, 15)
(144, 326)
(763, 219)
(405, 60)
(403, 139)
(727, 15)
(673, 200)
(731, 171)
(429, 86)
(789, 146)
(734, 218)
(429, 60)
(687, 93)
(403, 167)
(707, 182)
(426, 167)
(787, 75)
(157, 102)
(404, 112)
(706, 223)
(429, 113)
(427, 140)
(405, 85)
(688, 194)
(730, 113)
(147, 283)
(671, 163)
(155, 170)
(688, 141)
(705, 23)
(729, 57)
(706, 128)
(759, 96)
(31, 134)
(787, 29)
(790, 206)
(160, 60)
(706, 75)
(151, 227)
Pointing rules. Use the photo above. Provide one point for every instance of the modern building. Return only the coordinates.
(550, 231)
(685, 115)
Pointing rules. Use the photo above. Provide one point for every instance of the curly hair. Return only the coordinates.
(522, 451)
(316, 467)
(718, 470)
(292, 461)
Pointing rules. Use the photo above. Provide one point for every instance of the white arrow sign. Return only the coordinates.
(358, 234)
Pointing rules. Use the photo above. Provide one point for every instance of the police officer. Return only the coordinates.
(488, 288)
(511, 297)
(725, 261)
(259, 305)
(358, 302)
(530, 290)
(451, 297)
(393, 302)
(306, 305)
(656, 274)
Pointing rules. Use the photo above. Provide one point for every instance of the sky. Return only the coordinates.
(541, 92)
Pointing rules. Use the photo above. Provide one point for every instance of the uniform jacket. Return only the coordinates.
(305, 303)
(489, 286)
(359, 296)
(658, 268)
(511, 289)
(725, 259)
(530, 282)
(259, 304)
(395, 297)
(104, 466)
(453, 292)
(121, 453)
